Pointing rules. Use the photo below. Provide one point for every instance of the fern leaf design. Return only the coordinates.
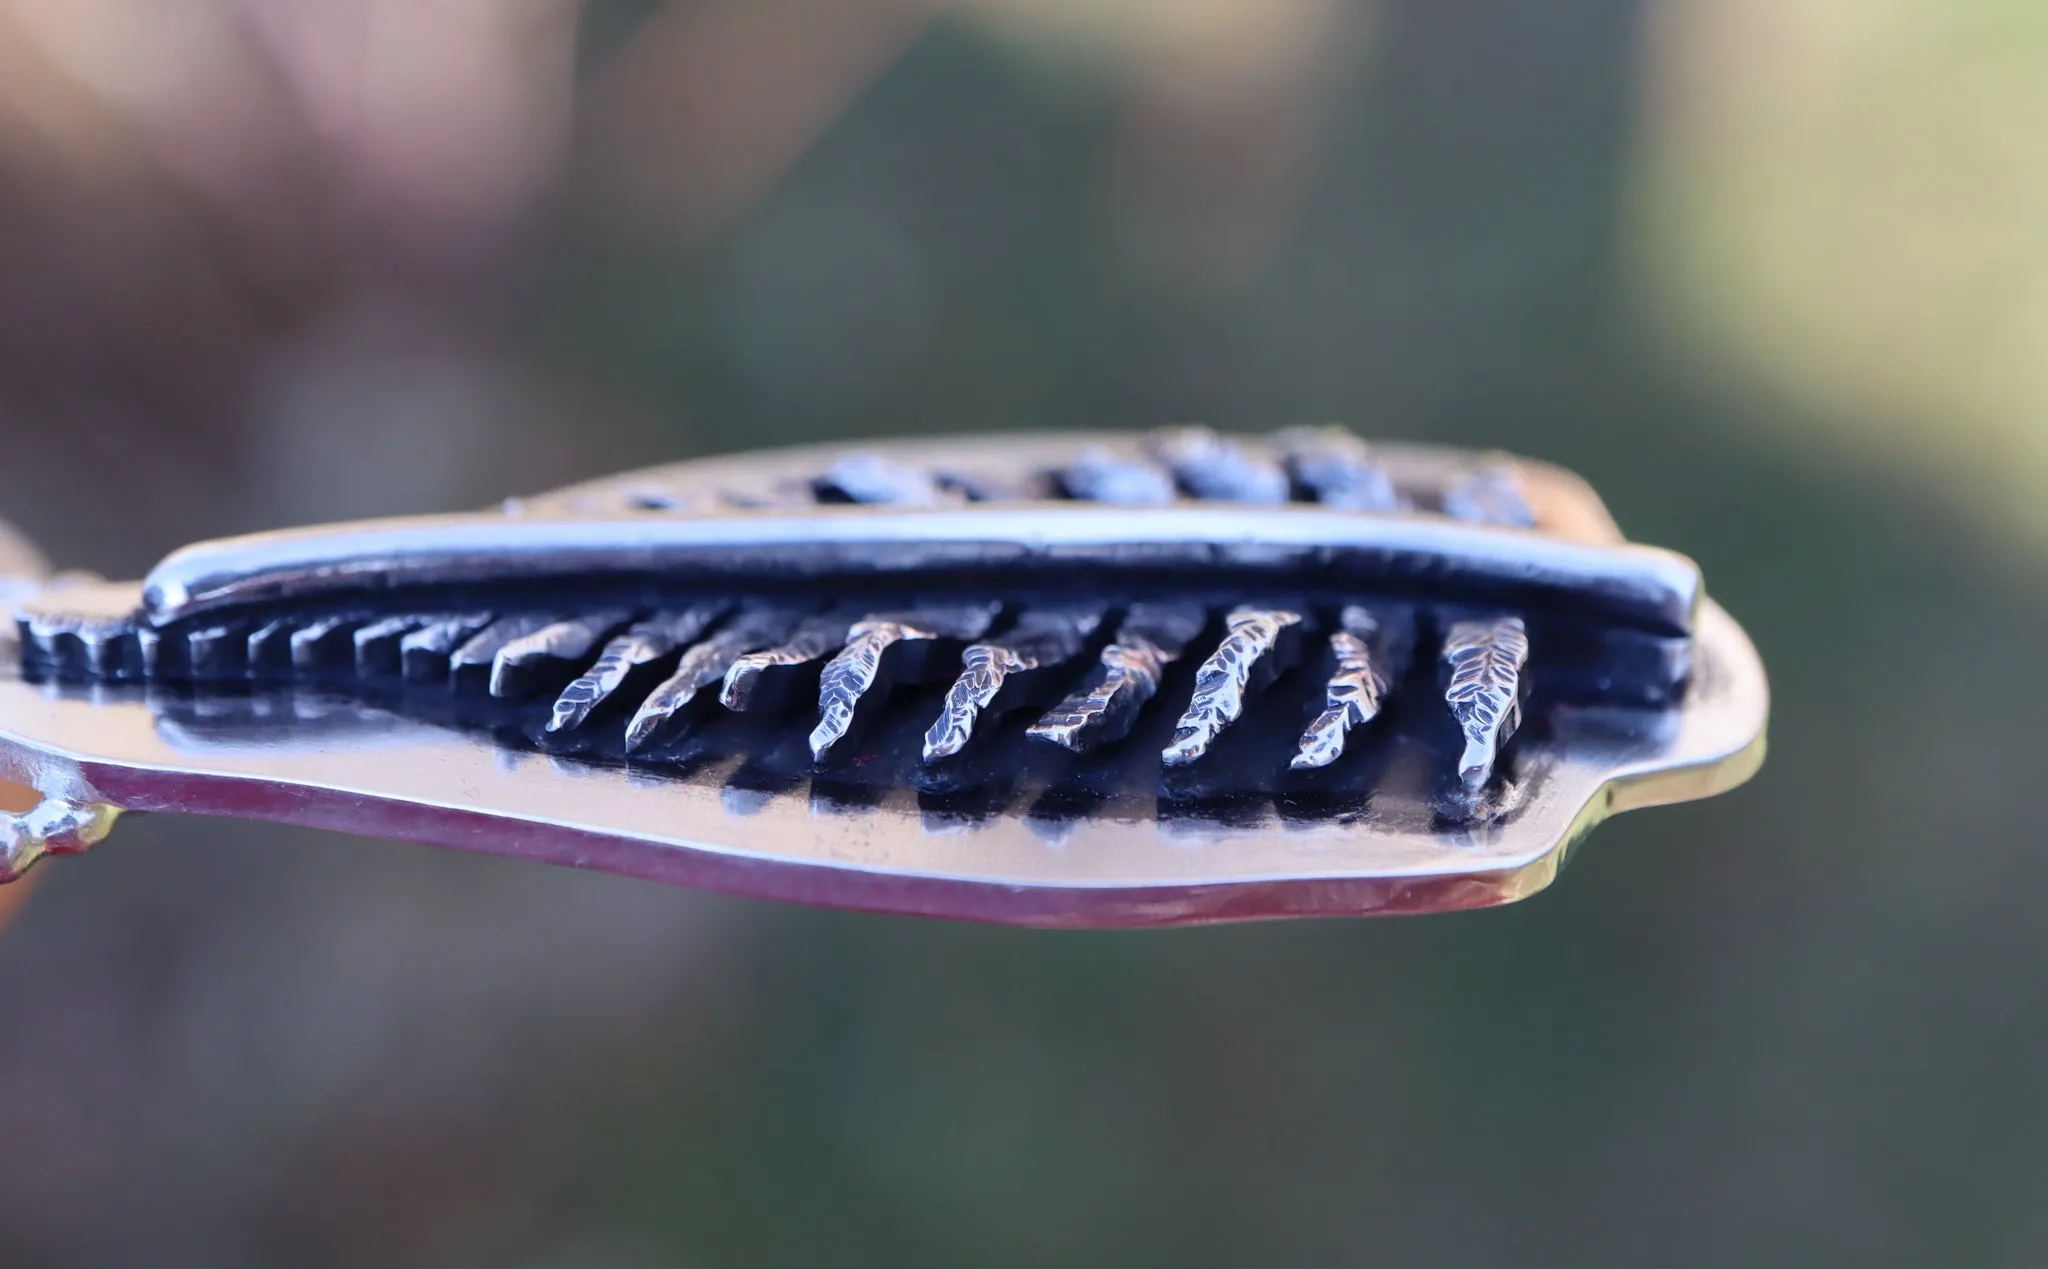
(997, 674)
(1371, 652)
(858, 668)
(640, 644)
(1151, 637)
(1485, 690)
(1252, 654)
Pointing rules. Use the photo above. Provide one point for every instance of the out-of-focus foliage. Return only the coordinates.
(1840, 206)
(1765, 272)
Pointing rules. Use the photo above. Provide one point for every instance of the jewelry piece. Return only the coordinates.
(1063, 680)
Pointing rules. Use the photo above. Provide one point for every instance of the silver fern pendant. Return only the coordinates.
(1100, 680)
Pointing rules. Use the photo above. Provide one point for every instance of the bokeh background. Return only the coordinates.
(1773, 273)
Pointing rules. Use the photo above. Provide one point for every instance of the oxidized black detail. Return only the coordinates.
(983, 658)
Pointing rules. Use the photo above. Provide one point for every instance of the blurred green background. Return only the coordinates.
(1772, 273)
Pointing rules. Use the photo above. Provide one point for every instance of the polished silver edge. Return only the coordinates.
(1644, 582)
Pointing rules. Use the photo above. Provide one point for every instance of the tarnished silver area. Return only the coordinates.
(571, 639)
(870, 478)
(1338, 468)
(423, 654)
(1151, 638)
(314, 644)
(1485, 690)
(1370, 651)
(876, 645)
(994, 676)
(1208, 466)
(269, 648)
(480, 651)
(1490, 495)
(705, 665)
(1101, 475)
(149, 646)
(988, 485)
(335, 763)
(1258, 644)
(216, 651)
(1104, 468)
(643, 643)
(100, 636)
(931, 597)
(753, 676)
(377, 643)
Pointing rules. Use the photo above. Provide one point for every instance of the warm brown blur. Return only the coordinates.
(1770, 272)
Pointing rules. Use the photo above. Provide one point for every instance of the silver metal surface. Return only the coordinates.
(705, 666)
(1633, 582)
(870, 478)
(992, 673)
(378, 642)
(1485, 692)
(1371, 652)
(315, 643)
(1257, 645)
(424, 653)
(1578, 555)
(1210, 467)
(872, 659)
(1151, 638)
(1339, 468)
(833, 678)
(569, 639)
(644, 643)
(365, 770)
(747, 679)
(1491, 495)
(99, 635)
(1098, 474)
(480, 651)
